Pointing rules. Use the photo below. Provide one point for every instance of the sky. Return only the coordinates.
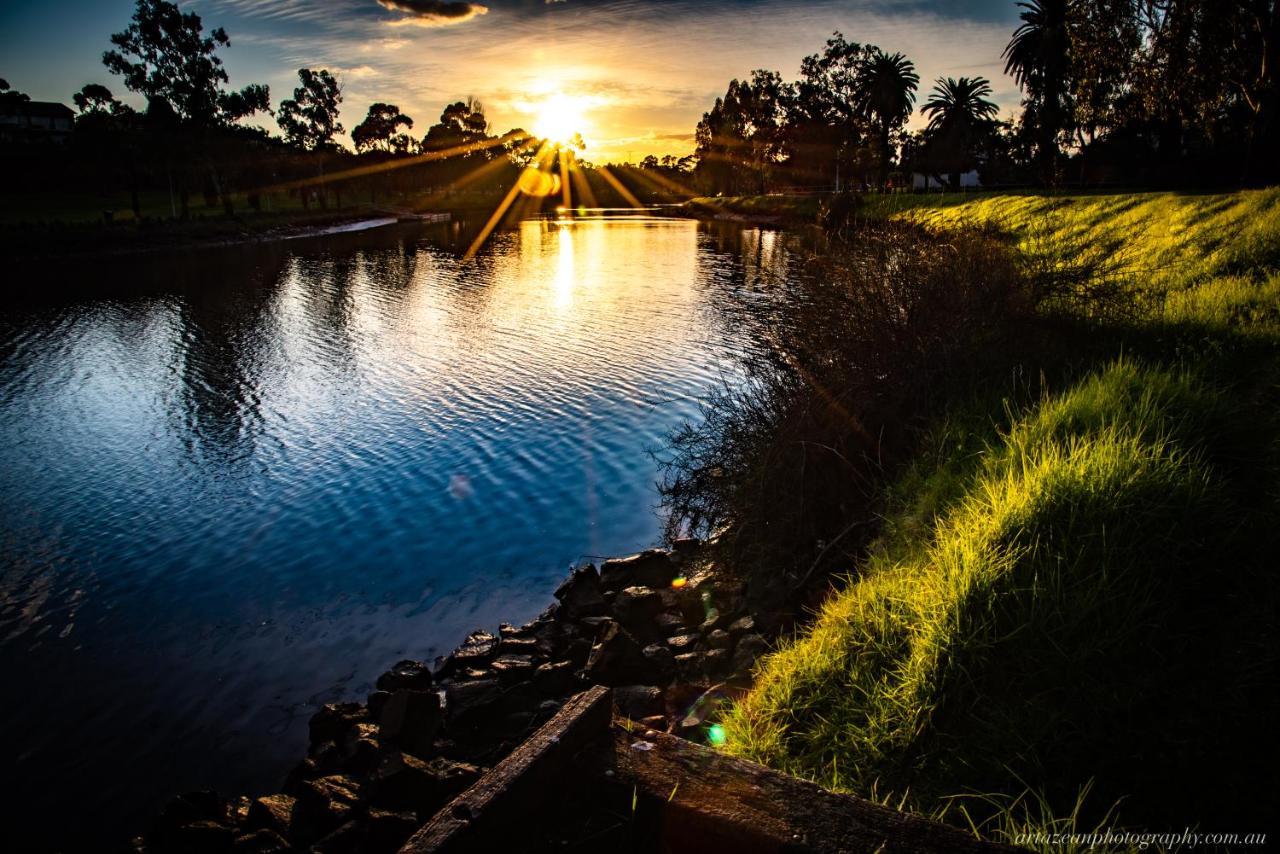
(639, 72)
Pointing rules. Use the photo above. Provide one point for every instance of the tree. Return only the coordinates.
(744, 132)
(828, 122)
(461, 124)
(96, 99)
(380, 130)
(164, 53)
(887, 95)
(9, 96)
(1039, 58)
(960, 117)
(309, 119)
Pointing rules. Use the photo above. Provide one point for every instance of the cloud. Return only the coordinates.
(433, 13)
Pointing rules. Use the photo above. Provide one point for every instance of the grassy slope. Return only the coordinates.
(1079, 590)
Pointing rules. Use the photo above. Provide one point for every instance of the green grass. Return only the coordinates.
(1073, 592)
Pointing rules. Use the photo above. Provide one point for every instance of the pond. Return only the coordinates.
(237, 484)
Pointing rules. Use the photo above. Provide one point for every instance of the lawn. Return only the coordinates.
(1073, 593)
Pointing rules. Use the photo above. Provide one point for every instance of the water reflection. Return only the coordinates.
(239, 484)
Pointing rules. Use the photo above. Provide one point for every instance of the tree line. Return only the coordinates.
(1155, 92)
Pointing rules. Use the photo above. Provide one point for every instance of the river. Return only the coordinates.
(239, 483)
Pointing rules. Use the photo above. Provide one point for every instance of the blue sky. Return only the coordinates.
(643, 71)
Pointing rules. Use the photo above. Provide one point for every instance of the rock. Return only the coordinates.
(653, 568)
(404, 782)
(347, 839)
(468, 701)
(742, 626)
(375, 703)
(670, 624)
(580, 594)
(411, 719)
(618, 660)
(511, 669)
(360, 749)
(327, 758)
(686, 546)
(719, 639)
(389, 830)
(261, 842)
(271, 812)
(681, 644)
(323, 805)
(661, 657)
(714, 620)
(638, 701)
(333, 719)
(406, 676)
(529, 646)
(749, 648)
(636, 606)
(689, 666)
(554, 679)
(198, 837)
(299, 774)
(716, 662)
(578, 652)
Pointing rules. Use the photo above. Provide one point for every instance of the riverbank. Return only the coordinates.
(1066, 617)
(668, 631)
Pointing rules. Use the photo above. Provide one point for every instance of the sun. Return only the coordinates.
(559, 118)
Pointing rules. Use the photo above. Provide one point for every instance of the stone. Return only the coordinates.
(529, 646)
(554, 679)
(681, 644)
(638, 701)
(333, 719)
(714, 620)
(742, 626)
(468, 701)
(375, 703)
(578, 651)
(580, 594)
(670, 624)
(271, 812)
(618, 660)
(411, 719)
(389, 830)
(323, 805)
(261, 841)
(511, 669)
(653, 568)
(686, 546)
(198, 837)
(407, 676)
(689, 666)
(347, 839)
(635, 606)
(716, 662)
(404, 782)
(360, 748)
(719, 639)
(661, 657)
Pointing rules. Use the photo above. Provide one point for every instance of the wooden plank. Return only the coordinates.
(713, 802)
(510, 792)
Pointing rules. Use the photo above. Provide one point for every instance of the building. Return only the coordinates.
(921, 181)
(36, 122)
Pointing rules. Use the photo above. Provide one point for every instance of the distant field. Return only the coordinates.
(1075, 594)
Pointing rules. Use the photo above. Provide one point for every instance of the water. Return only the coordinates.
(238, 484)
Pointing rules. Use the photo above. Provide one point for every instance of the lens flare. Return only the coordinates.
(715, 735)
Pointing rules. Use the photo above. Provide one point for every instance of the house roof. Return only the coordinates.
(47, 109)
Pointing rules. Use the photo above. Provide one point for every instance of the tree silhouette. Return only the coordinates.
(960, 118)
(164, 53)
(1039, 58)
(309, 119)
(380, 130)
(888, 95)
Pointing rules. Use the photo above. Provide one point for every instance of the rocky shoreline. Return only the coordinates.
(666, 629)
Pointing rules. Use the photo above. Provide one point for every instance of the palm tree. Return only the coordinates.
(1038, 57)
(888, 96)
(960, 115)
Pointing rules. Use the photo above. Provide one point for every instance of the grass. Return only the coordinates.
(1073, 592)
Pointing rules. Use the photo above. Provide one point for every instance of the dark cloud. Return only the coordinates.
(433, 13)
